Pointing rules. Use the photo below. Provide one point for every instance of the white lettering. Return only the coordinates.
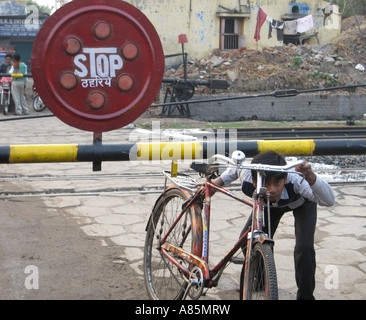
(115, 63)
(95, 82)
(102, 62)
(102, 65)
(83, 71)
(152, 310)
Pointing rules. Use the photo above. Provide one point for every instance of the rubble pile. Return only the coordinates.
(339, 63)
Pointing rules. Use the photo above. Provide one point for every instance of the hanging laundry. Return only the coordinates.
(304, 24)
(261, 17)
(278, 25)
(290, 27)
(269, 20)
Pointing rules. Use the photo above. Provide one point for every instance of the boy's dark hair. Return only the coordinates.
(16, 57)
(9, 55)
(273, 158)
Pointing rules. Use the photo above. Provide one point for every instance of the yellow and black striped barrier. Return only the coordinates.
(175, 150)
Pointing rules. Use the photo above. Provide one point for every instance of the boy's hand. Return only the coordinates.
(307, 172)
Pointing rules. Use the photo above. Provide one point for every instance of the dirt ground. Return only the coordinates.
(68, 264)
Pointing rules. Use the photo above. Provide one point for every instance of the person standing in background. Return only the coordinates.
(18, 86)
(8, 62)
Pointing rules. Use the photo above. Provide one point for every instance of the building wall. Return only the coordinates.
(19, 26)
(199, 21)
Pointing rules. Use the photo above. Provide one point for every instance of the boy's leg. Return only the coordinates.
(304, 253)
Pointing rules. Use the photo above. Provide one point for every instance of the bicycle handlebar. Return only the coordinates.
(216, 157)
(269, 167)
(238, 158)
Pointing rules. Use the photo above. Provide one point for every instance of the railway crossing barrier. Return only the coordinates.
(101, 79)
(173, 151)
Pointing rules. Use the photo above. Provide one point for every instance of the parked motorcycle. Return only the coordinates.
(5, 96)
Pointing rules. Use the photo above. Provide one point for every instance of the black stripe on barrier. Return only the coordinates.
(4, 154)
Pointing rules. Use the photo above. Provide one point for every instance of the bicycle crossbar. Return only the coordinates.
(175, 150)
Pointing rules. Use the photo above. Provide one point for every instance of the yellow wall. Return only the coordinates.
(199, 21)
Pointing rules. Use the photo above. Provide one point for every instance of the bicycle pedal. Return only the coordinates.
(237, 260)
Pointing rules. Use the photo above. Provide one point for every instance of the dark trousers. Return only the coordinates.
(304, 252)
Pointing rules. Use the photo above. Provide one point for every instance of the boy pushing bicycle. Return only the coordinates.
(289, 192)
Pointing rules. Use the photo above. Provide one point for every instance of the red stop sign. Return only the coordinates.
(98, 65)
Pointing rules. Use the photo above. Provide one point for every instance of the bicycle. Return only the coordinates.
(38, 104)
(176, 252)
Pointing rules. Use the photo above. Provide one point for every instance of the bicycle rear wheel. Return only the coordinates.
(262, 279)
(163, 280)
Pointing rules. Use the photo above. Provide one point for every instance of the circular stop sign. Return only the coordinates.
(97, 65)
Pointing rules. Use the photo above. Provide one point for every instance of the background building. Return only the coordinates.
(231, 24)
(19, 25)
(208, 24)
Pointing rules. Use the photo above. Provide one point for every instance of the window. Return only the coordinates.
(230, 37)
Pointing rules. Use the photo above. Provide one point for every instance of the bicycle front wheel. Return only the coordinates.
(163, 280)
(262, 277)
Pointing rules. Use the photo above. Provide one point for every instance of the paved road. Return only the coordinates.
(117, 220)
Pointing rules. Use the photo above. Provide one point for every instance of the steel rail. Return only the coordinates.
(118, 190)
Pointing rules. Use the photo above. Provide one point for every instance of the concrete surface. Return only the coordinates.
(121, 217)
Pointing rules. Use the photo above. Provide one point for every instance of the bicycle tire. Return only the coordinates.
(262, 278)
(38, 104)
(163, 280)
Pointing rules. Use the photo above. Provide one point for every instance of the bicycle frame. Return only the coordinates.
(211, 276)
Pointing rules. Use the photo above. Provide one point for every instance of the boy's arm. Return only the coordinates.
(321, 191)
(218, 181)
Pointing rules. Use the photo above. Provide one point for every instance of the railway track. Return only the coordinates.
(57, 188)
(341, 132)
(302, 133)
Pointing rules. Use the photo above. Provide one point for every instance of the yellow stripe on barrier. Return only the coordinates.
(298, 147)
(17, 75)
(43, 153)
(168, 150)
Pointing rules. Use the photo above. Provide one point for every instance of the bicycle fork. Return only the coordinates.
(257, 235)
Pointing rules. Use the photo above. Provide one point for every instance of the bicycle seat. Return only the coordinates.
(205, 168)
